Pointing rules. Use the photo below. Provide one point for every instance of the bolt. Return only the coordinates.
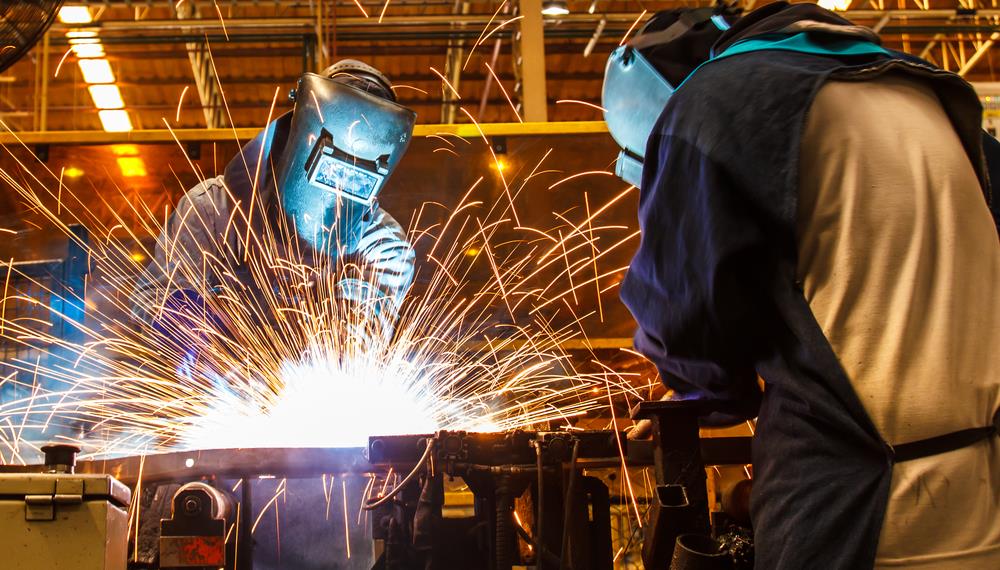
(192, 506)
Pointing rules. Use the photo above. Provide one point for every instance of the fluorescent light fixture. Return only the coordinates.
(81, 34)
(88, 50)
(555, 8)
(75, 15)
(835, 5)
(115, 120)
(96, 71)
(125, 150)
(106, 96)
(132, 166)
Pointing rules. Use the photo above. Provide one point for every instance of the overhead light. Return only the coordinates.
(555, 8)
(835, 5)
(72, 172)
(88, 50)
(75, 15)
(132, 166)
(106, 96)
(81, 34)
(125, 150)
(115, 120)
(96, 71)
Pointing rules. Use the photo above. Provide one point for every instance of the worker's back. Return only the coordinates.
(900, 262)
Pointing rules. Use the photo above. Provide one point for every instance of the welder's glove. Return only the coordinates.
(375, 312)
(186, 322)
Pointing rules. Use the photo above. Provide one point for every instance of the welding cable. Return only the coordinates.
(416, 469)
(568, 499)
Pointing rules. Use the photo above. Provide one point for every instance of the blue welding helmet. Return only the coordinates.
(641, 76)
(346, 135)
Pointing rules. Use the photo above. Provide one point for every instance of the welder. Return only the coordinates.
(819, 249)
(313, 174)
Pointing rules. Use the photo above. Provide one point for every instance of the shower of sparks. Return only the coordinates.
(281, 359)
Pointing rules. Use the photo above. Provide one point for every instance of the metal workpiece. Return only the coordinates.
(680, 504)
(231, 463)
(502, 450)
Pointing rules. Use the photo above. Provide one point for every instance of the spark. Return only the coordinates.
(448, 83)
(496, 29)
(180, 102)
(394, 87)
(61, 60)
(347, 526)
(319, 110)
(578, 102)
(579, 174)
(221, 19)
(382, 13)
(504, 91)
(632, 27)
(493, 17)
(362, 8)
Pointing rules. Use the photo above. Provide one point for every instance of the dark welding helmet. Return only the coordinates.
(346, 135)
(642, 75)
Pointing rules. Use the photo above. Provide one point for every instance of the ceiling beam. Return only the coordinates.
(228, 135)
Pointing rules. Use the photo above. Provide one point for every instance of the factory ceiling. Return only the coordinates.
(198, 63)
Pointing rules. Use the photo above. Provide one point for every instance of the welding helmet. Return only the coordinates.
(641, 76)
(345, 137)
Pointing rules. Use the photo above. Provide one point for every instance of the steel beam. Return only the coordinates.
(454, 59)
(464, 130)
(529, 59)
(205, 80)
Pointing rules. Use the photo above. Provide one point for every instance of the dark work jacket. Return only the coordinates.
(713, 285)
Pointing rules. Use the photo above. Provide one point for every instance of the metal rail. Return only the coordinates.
(228, 135)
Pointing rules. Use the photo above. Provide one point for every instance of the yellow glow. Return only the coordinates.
(472, 252)
(75, 15)
(836, 5)
(72, 172)
(132, 166)
(115, 120)
(88, 50)
(106, 96)
(96, 71)
(125, 150)
(81, 34)
(138, 257)
(500, 164)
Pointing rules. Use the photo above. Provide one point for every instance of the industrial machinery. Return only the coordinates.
(489, 501)
(61, 520)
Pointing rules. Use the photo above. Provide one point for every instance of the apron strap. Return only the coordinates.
(944, 443)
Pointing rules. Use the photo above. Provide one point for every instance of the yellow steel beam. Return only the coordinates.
(228, 135)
